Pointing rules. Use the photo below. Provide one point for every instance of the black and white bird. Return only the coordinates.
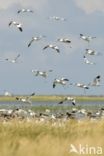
(87, 61)
(86, 38)
(18, 25)
(15, 60)
(56, 48)
(64, 40)
(41, 73)
(24, 10)
(26, 99)
(68, 98)
(96, 81)
(57, 18)
(37, 38)
(92, 52)
(81, 85)
(61, 81)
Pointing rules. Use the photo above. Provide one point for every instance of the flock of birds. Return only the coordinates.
(63, 81)
(58, 118)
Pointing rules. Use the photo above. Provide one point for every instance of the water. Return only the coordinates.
(82, 104)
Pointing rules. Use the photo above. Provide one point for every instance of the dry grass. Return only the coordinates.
(38, 139)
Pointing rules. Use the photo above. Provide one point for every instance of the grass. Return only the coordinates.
(54, 98)
(38, 139)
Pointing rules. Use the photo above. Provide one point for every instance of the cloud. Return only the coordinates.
(90, 6)
(4, 4)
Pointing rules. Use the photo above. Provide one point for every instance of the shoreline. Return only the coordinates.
(53, 98)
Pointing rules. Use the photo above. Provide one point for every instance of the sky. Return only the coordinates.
(84, 17)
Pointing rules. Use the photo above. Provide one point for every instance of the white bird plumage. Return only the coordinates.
(14, 60)
(87, 61)
(18, 25)
(25, 10)
(86, 38)
(57, 18)
(68, 98)
(37, 38)
(41, 73)
(56, 48)
(61, 81)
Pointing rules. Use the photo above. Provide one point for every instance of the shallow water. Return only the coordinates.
(5, 104)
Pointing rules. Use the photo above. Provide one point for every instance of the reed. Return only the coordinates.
(46, 139)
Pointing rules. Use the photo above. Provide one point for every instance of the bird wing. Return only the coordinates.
(10, 23)
(54, 84)
(30, 42)
(56, 48)
(45, 47)
(19, 11)
(20, 28)
(17, 57)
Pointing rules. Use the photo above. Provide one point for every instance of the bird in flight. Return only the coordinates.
(68, 98)
(64, 40)
(35, 39)
(41, 73)
(96, 81)
(18, 25)
(87, 61)
(86, 38)
(24, 10)
(81, 85)
(15, 60)
(57, 18)
(56, 48)
(62, 81)
(26, 99)
(92, 52)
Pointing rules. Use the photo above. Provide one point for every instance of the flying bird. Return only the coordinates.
(62, 81)
(53, 47)
(81, 85)
(18, 25)
(87, 61)
(56, 18)
(15, 60)
(96, 81)
(68, 98)
(35, 39)
(24, 10)
(64, 40)
(92, 52)
(26, 99)
(86, 38)
(41, 73)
